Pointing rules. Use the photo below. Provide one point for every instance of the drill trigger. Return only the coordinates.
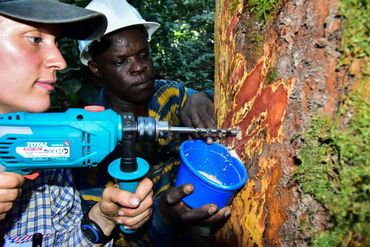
(32, 176)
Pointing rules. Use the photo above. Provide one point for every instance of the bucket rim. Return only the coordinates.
(243, 169)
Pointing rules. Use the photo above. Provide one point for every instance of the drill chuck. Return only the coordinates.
(146, 129)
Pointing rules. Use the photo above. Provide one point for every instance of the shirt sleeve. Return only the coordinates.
(190, 91)
(210, 93)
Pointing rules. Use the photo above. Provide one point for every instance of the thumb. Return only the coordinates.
(114, 197)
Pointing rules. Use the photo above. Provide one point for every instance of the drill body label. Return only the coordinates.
(45, 150)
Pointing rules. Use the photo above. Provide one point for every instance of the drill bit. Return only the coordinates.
(149, 128)
(206, 131)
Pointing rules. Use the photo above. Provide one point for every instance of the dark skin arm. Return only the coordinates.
(198, 112)
(175, 213)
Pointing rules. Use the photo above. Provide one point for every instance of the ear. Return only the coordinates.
(94, 69)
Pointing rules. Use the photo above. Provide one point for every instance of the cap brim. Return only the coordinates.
(75, 22)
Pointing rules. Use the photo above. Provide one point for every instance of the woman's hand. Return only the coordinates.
(10, 190)
(122, 207)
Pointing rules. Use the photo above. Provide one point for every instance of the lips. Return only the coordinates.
(142, 85)
(49, 86)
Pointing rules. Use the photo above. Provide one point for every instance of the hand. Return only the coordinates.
(175, 213)
(198, 112)
(122, 207)
(10, 190)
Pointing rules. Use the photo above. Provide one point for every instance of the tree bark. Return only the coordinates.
(271, 80)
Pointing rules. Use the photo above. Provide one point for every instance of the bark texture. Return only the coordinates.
(271, 79)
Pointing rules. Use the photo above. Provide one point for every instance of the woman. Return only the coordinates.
(47, 210)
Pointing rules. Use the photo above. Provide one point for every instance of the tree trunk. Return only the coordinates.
(282, 66)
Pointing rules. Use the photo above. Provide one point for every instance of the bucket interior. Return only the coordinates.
(215, 164)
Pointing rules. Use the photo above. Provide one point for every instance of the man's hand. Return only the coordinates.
(175, 213)
(198, 112)
(10, 189)
(122, 207)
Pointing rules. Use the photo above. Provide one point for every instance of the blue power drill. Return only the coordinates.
(83, 138)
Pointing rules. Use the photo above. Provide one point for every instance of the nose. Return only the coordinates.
(137, 65)
(54, 58)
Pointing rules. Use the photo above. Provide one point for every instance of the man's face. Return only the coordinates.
(126, 67)
(29, 61)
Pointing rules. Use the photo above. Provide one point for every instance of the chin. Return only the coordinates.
(38, 107)
(143, 96)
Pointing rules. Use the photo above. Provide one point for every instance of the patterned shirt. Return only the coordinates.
(163, 156)
(49, 205)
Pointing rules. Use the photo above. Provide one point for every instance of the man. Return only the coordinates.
(47, 211)
(121, 60)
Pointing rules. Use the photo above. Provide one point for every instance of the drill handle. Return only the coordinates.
(128, 180)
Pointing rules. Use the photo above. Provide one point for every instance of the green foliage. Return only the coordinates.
(183, 47)
(356, 31)
(182, 50)
(335, 165)
(262, 9)
(233, 5)
(335, 169)
(272, 75)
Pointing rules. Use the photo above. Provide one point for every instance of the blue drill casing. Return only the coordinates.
(71, 139)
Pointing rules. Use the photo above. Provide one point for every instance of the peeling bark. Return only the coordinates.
(300, 45)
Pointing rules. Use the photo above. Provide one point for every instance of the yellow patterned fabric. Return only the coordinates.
(163, 156)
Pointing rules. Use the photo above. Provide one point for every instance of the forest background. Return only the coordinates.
(182, 50)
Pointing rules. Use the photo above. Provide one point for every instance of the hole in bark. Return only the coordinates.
(297, 161)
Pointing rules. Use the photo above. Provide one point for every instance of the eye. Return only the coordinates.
(144, 54)
(119, 62)
(35, 39)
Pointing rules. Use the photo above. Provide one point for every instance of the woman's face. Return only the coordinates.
(29, 61)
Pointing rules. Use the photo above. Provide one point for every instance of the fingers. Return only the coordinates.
(9, 195)
(134, 218)
(139, 224)
(210, 140)
(204, 110)
(207, 215)
(146, 203)
(207, 116)
(220, 217)
(196, 119)
(199, 214)
(114, 197)
(175, 195)
(9, 180)
(198, 112)
(130, 209)
(144, 188)
(185, 118)
(136, 221)
(10, 190)
(145, 194)
(4, 208)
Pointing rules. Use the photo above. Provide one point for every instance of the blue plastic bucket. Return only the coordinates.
(215, 174)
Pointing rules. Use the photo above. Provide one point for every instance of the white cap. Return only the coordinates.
(120, 14)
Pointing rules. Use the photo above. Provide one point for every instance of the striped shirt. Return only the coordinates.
(163, 156)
